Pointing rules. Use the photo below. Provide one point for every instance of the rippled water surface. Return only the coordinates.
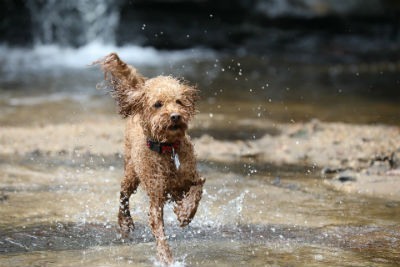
(64, 214)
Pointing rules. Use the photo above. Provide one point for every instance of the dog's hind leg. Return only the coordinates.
(128, 186)
(186, 207)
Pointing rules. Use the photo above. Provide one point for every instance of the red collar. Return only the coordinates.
(162, 147)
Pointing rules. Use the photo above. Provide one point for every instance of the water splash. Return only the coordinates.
(176, 263)
(237, 207)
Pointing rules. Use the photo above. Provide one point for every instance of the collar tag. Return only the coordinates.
(175, 158)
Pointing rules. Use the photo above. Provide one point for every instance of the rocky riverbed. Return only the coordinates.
(360, 159)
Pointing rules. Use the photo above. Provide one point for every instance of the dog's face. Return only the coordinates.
(167, 107)
(164, 104)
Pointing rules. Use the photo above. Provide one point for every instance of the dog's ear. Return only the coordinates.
(193, 93)
(125, 83)
(191, 96)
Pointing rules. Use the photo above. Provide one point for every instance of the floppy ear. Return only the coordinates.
(125, 83)
(191, 93)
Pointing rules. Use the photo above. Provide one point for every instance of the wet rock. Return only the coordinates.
(378, 167)
(392, 204)
(36, 153)
(395, 159)
(344, 179)
(3, 197)
(384, 164)
(276, 181)
(329, 170)
(347, 176)
(367, 183)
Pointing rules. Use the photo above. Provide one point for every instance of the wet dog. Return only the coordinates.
(158, 154)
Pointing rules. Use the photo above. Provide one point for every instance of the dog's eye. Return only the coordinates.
(179, 102)
(158, 104)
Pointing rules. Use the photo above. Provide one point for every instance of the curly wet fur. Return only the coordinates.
(149, 105)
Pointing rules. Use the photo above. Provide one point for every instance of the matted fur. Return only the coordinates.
(150, 105)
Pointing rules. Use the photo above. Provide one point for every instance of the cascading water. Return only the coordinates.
(74, 23)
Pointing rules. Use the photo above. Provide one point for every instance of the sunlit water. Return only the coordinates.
(61, 210)
(64, 214)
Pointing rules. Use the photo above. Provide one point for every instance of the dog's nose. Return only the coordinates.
(175, 117)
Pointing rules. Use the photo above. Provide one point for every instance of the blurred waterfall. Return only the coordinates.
(74, 23)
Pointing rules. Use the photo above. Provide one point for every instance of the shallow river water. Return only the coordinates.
(60, 210)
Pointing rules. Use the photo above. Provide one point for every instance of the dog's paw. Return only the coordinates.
(126, 225)
(185, 213)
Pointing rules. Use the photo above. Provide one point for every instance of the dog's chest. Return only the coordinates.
(177, 179)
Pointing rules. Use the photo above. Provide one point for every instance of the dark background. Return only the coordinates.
(328, 31)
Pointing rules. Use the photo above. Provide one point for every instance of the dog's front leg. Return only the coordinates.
(156, 213)
(186, 208)
(128, 186)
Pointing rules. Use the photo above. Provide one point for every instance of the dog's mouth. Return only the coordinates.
(177, 127)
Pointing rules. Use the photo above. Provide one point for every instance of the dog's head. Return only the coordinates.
(164, 104)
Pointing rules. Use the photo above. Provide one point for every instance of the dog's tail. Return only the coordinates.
(123, 80)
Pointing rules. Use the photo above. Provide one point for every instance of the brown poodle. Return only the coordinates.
(158, 153)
